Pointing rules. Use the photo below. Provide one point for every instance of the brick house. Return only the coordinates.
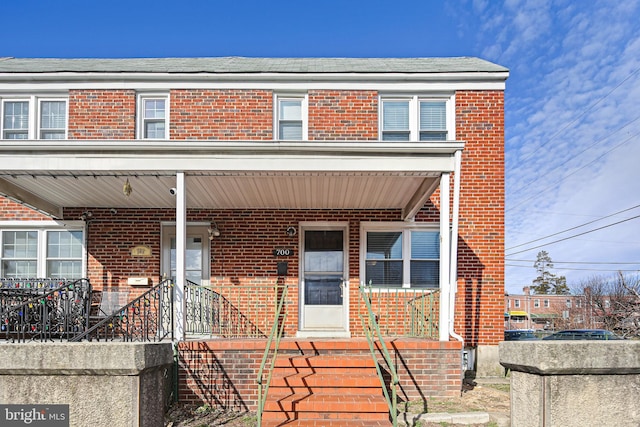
(323, 175)
(547, 312)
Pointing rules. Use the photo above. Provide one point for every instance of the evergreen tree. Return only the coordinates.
(547, 282)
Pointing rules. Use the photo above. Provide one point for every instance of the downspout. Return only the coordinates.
(453, 259)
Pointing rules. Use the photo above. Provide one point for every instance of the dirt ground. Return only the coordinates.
(484, 397)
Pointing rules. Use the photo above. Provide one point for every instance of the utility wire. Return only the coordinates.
(573, 157)
(581, 269)
(573, 228)
(576, 262)
(574, 172)
(575, 235)
(591, 107)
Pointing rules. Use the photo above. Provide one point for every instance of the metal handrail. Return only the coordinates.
(371, 327)
(146, 318)
(276, 333)
(44, 308)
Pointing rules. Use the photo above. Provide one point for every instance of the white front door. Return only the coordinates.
(196, 257)
(324, 285)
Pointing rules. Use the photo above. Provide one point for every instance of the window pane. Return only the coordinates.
(384, 245)
(16, 115)
(154, 130)
(395, 136)
(383, 273)
(291, 110)
(64, 269)
(53, 115)
(21, 269)
(20, 244)
(425, 274)
(291, 131)
(425, 245)
(64, 244)
(433, 115)
(395, 115)
(154, 108)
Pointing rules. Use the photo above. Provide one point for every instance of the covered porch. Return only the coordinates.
(77, 181)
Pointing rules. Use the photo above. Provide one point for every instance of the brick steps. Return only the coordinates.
(325, 390)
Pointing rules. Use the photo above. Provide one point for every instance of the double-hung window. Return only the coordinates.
(33, 118)
(402, 257)
(153, 116)
(416, 118)
(291, 124)
(51, 253)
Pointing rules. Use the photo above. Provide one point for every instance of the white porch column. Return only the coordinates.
(181, 238)
(445, 260)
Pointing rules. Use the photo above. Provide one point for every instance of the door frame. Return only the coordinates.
(168, 230)
(321, 226)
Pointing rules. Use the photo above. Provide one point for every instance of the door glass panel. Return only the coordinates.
(193, 259)
(323, 265)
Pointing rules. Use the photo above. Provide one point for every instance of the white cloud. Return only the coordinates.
(572, 126)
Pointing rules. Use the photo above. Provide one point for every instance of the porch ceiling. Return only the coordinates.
(373, 176)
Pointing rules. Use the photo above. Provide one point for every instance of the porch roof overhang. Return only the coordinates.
(52, 175)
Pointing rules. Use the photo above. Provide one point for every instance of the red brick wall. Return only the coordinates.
(248, 114)
(480, 122)
(224, 373)
(11, 211)
(102, 114)
(347, 115)
(221, 114)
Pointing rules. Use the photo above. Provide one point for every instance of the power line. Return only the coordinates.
(581, 269)
(573, 228)
(534, 195)
(575, 235)
(609, 135)
(591, 107)
(577, 262)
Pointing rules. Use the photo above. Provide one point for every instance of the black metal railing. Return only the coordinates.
(149, 317)
(43, 309)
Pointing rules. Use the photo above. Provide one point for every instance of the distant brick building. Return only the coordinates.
(546, 312)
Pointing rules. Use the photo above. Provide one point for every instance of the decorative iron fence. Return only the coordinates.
(147, 318)
(229, 311)
(404, 312)
(43, 309)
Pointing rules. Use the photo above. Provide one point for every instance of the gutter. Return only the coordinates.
(453, 276)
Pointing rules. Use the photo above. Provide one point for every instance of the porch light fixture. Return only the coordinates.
(291, 231)
(214, 231)
(126, 188)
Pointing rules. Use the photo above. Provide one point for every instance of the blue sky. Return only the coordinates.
(572, 115)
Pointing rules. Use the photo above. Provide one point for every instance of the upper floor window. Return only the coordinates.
(402, 257)
(34, 118)
(546, 303)
(568, 303)
(516, 303)
(153, 116)
(291, 118)
(416, 119)
(31, 253)
(536, 303)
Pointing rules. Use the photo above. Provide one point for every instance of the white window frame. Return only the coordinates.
(414, 113)
(34, 121)
(546, 303)
(405, 229)
(304, 113)
(42, 228)
(141, 119)
(516, 303)
(536, 303)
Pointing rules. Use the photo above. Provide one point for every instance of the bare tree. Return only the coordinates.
(613, 303)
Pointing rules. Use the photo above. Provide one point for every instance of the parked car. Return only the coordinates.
(583, 334)
(519, 335)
